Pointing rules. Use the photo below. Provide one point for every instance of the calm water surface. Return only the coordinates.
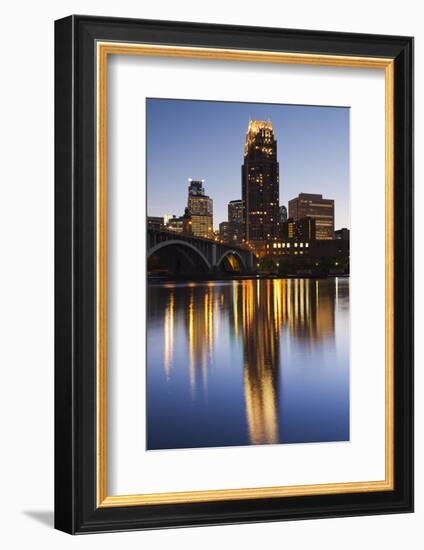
(247, 362)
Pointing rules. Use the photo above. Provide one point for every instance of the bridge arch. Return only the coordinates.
(183, 252)
(231, 252)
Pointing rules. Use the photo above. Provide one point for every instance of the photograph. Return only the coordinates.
(233, 254)
(247, 291)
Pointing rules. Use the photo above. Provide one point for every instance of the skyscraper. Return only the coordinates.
(200, 210)
(235, 211)
(314, 206)
(260, 183)
(232, 231)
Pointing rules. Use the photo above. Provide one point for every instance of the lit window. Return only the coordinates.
(301, 245)
(274, 245)
(288, 245)
(295, 245)
(283, 245)
(306, 244)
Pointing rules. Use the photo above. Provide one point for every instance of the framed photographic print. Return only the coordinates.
(234, 260)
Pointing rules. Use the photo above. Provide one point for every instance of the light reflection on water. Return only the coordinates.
(247, 362)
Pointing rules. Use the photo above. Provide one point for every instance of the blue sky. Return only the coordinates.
(205, 140)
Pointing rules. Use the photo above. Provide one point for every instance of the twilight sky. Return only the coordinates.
(205, 140)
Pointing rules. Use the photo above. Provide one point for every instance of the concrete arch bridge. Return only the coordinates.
(178, 254)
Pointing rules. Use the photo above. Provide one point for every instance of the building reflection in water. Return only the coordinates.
(168, 332)
(200, 332)
(261, 350)
(256, 313)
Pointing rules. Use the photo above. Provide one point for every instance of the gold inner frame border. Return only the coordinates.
(103, 50)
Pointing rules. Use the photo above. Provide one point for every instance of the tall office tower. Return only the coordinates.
(200, 210)
(260, 183)
(235, 211)
(314, 206)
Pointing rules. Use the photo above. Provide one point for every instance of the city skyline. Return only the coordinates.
(248, 327)
(209, 138)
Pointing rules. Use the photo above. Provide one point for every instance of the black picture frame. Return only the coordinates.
(76, 510)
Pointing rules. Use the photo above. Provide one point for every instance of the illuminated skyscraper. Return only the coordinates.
(315, 207)
(235, 211)
(200, 210)
(260, 183)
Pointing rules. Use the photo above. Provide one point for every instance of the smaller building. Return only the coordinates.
(155, 222)
(316, 207)
(298, 250)
(316, 250)
(231, 232)
(303, 229)
(287, 229)
(342, 234)
(288, 248)
(224, 231)
(179, 224)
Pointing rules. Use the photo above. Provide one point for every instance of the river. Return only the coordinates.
(247, 362)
